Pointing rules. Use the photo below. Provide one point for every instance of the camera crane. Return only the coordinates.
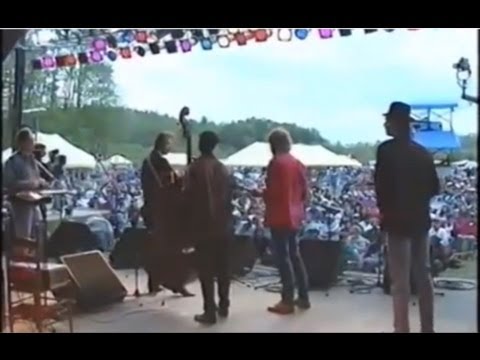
(464, 72)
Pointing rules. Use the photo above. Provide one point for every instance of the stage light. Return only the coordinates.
(128, 36)
(370, 31)
(154, 48)
(284, 34)
(66, 60)
(37, 64)
(99, 44)
(83, 58)
(260, 35)
(177, 34)
(413, 29)
(140, 51)
(112, 41)
(141, 36)
(389, 30)
(126, 53)
(213, 32)
(48, 62)
(198, 33)
(96, 56)
(233, 31)
(241, 39)
(325, 33)
(345, 32)
(112, 55)
(206, 44)
(171, 47)
(301, 34)
(185, 45)
(223, 41)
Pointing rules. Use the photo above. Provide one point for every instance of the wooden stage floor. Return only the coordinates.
(339, 312)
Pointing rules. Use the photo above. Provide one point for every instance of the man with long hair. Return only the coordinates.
(161, 214)
(405, 182)
(285, 196)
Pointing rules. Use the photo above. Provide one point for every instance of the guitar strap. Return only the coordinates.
(154, 172)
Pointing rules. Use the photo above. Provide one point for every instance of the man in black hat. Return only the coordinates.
(405, 182)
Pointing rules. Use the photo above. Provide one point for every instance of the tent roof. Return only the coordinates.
(177, 159)
(259, 154)
(76, 157)
(118, 160)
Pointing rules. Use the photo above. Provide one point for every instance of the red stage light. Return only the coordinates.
(141, 36)
(241, 39)
(125, 53)
(261, 35)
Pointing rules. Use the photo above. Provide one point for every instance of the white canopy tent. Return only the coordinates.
(117, 160)
(76, 157)
(466, 164)
(259, 154)
(177, 159)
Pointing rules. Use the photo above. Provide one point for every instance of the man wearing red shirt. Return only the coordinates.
(285, 196)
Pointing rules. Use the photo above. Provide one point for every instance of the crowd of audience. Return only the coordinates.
(342, 208)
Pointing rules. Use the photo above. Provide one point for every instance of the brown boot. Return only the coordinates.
(282, 309)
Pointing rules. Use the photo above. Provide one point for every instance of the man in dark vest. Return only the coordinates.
(209, 195)
(405, 182)
(162, 193)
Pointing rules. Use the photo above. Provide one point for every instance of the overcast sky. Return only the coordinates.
(340, 86)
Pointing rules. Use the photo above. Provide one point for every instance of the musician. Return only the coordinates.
(161, 213)
(285, 196)
(209, 196)
(21, 173)
(405, 182)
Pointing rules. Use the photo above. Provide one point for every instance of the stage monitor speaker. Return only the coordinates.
(95, 282)
(71, 237)
(322, 262)
(128, 251)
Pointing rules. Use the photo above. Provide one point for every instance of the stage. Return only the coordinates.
(339, 312)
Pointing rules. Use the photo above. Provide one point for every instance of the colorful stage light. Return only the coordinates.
(37, 64)
(112, 41)
(128, 36)
(241, 39)
(141, 36)
(345, 32)
(154, 48)
(185, 45)
(177, 34)
(223, 41)
(96, 56)
(206, 44)
(99, 44)
(301, 34)
(83, 58)
(284, 34)
(66, 60)
(325, 33)
(112, 55)
(171, 47)
(48, 62)
(260, 35)
(126, 53)
(140, 51)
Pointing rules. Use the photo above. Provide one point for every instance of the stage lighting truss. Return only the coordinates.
(107, 46)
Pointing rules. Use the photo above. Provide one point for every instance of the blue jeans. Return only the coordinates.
(290, 265)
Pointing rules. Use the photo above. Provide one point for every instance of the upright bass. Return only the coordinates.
(173, 246)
